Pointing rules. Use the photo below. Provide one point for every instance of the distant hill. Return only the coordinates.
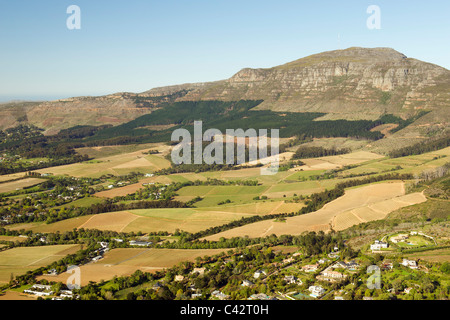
(355, 83)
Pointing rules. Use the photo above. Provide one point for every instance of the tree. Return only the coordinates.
(445, 268)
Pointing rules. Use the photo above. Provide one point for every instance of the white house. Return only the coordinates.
(316, 291)
(104, 244)
(139, 243)
(39, 290)
(332, 274)
(179, 278)
(410, 263)
(247, 283)
(379, 245)
(258, 274)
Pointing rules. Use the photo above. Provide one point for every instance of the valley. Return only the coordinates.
(364, 155)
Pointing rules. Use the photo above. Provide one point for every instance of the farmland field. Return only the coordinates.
(19, 184)
(438, 255)
(13, 239)
(359, 204)
(118, 164)
(153, 220)
(19, 260)
(338, 214)
(120, 262)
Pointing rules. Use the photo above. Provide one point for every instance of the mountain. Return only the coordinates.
(355, 83)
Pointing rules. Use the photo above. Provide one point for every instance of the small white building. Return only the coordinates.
(247, 283)
(179, 278)
(412, 264)
(258, 274)
(378, 245)
(104, 245)
(140, 243)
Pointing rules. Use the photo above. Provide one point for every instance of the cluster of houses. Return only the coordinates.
(100, 252)
(219, 295)
(119, 184)
(65, 294)
(41, 290)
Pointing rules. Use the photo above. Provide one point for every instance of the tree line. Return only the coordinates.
(422, 147)
(316, 152)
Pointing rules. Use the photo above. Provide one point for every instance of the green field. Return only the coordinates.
(83, 202)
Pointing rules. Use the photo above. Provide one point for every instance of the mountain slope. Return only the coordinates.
(355, 83)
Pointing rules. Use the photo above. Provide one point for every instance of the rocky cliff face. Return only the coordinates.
(356, 83)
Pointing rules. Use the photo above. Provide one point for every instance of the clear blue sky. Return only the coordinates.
(136, 45)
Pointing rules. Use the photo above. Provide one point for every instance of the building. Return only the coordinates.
(407, 290)
(66, 294)
(258, 274)
(387, 266)
(292, 280)
(334, 275)
(399, 238)
(104, 244)
(310, 267)
(140, 243)
(179, 278)
(52, 272)
(156, 286)
(247, 283)
(410, 263)
(200, 271)
(260, 296)
(316, 291)
(219, 295)
(290, 260)
(352, 265)
(378, 245)
(39, 290)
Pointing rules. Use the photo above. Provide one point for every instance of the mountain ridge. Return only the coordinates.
(353, 83)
